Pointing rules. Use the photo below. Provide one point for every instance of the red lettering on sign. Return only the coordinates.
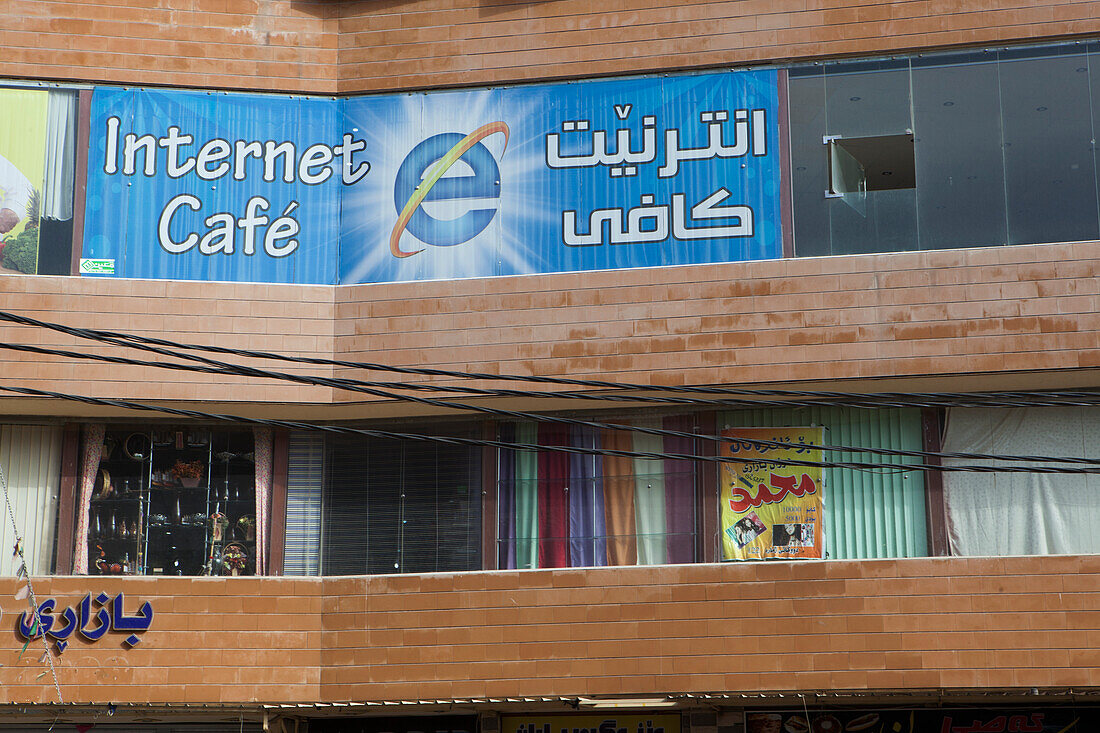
(741, 500)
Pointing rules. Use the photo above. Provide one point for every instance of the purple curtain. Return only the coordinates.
(679, 492)
(587, 544)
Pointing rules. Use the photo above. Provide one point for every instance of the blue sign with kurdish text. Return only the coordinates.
(545, 178)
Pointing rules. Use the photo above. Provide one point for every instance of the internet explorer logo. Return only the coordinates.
(420, 178)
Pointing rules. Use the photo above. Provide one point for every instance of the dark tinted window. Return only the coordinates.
(400, 507)
(1004, 150)
(864, 101)
(1047, 119)
(961, 195)
(810, 169)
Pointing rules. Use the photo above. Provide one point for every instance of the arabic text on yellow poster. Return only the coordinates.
(771, 510)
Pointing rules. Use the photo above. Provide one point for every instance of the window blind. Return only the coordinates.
(305, 477)
(400, 507)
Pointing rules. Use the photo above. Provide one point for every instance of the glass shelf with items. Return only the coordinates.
(174, 502)
(233, 501)
(116, 519)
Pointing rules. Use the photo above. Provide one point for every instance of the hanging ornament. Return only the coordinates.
(22, 593)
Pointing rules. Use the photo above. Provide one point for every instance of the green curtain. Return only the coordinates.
(868, 514)
(527, 496)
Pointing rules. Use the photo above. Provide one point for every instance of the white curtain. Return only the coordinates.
(57, 194)
(1022, 513)
(30, 456)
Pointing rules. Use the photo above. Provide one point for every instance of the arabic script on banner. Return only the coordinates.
(769, 509)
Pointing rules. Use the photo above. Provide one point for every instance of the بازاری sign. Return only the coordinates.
(769, 509)
(543, 178)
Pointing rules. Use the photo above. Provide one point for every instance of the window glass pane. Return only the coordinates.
(1093, 65)
(305, 479)
(868, 102)
(55, 239)
(31, 459)
(889, 225)
(380, 501)
(997, 514)
(1049, 167)
(809, 174)
(344, 532)
(960, 171)
(171, 501)
(864, 100)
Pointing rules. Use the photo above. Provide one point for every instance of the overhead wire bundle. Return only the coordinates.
(727, 398)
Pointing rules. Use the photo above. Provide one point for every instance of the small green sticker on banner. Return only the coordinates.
(97, 267)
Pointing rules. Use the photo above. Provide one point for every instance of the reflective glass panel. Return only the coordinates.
(1049, 168)
(810, 165)
(960, 176)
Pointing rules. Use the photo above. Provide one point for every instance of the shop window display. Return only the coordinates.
(172, 501)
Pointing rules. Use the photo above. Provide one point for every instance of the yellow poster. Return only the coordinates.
(22, 169)
(769, 510)
(609, 722)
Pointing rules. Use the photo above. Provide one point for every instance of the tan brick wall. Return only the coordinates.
(286, 319)
(921, 314)
(874, 625)
(237, 44)
(445, 43)
(323, 47)
(892, 624)
(212, 640)
(930, 316)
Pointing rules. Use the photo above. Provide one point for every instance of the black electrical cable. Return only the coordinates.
(931, 399)
(225, 368)
(477, 442)
(220, 367)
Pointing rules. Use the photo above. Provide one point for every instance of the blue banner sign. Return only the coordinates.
(212, 186)
(579, 176)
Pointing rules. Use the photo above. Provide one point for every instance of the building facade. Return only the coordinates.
(871, 227)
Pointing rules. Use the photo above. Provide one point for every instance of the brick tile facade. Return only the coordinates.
(312, 46)
(961, 318)
(868, 625)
